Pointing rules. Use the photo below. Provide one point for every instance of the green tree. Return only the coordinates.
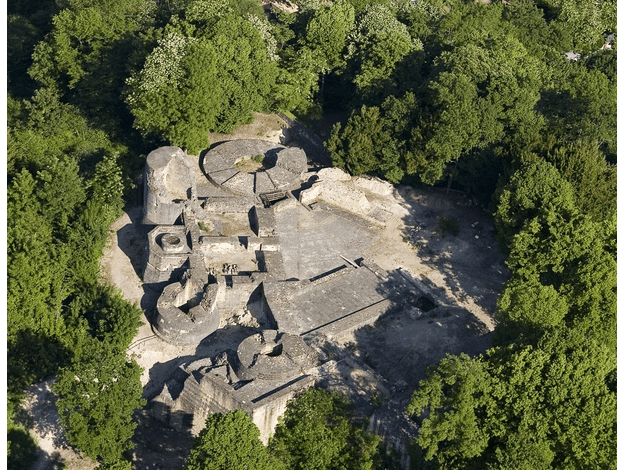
(374, 139)
(581, 106)
(81, 32)
(316, 433)
(378, 43)
(230, 441)
(535, 189)
(482, 92)
(583, 165)
(326, 33)
(201, 80)
(531, 407)
(586, 21)
(97, 395)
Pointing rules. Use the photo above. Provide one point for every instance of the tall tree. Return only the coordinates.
(199, 80)
(546, 406)
(98, 394)
(316, 433)
(378, 43)
(230, 441)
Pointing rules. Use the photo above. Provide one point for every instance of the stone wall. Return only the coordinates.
(168, 183)
(167, 250)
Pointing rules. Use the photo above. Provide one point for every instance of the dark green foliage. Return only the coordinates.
(581, 106)
(374, 140)
(21, 39)
(360, 145)
(97, 395)
(230, 441)
(604, 61)
(106, 316)
(22, 448)
(316, 433)
(594, 180)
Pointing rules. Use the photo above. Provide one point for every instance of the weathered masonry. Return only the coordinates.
(245, 231)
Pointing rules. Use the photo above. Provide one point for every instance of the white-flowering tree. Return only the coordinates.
(199, 80)
(378, 43)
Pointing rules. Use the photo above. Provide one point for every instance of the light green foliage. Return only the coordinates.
(203, 10)
(230, 441)
(107, 187)
(463, 386)
(306, 5)
(223, 75)
(586, 21)
(316, 433)
(326, 33)
(563, 266)
(536, 189)
(562, 272)
(97, 395)
(420, 16)
(80, 33)
(545, 406)
(65, 189)
(163, 67)
(264, 28)
(377, 44)
(297, 81)
(322, 34)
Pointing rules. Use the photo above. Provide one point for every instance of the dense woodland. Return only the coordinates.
(428, 92)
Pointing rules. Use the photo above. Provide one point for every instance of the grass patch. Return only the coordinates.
(251, 165)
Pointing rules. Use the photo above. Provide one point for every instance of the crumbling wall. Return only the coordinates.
(169, 182)
(167, 251)
(175, 325)
(337, 194)
(268, 410)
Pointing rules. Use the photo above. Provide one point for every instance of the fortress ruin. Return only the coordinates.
(246, 235)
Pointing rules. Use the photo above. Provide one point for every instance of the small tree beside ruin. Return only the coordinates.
(98, 394)
(230, 441)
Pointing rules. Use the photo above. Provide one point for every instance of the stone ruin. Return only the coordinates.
(226, 249)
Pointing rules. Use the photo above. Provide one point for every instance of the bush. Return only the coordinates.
(449, 225)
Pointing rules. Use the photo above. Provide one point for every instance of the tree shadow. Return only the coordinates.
(158, 446)
(161, 373)
(43, 417)
(471, 264)
(132, 239)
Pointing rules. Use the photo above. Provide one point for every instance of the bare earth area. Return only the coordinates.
(378, 366)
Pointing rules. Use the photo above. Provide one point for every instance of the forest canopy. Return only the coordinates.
(482, 98)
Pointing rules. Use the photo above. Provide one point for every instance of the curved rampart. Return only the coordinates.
(177, 326)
